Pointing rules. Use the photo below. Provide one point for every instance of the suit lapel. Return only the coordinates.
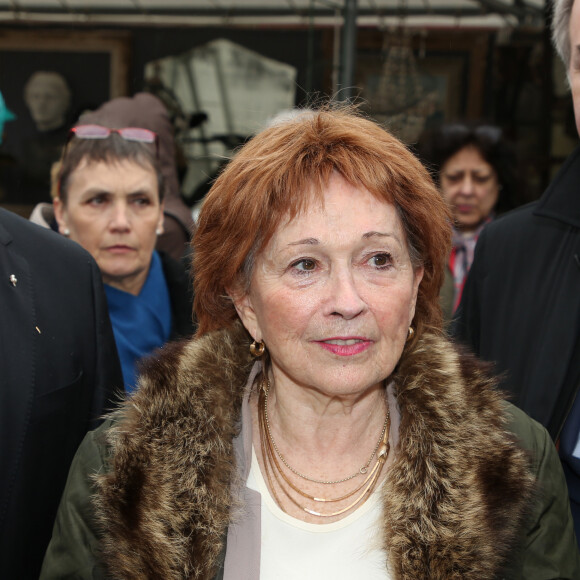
(17, 344)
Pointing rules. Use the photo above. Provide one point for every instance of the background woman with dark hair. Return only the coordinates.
(475, 168)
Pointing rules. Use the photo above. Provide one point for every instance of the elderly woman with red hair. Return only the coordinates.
(319, 425)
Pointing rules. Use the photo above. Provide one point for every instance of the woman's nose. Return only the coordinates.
(120, 217)
(345, 298)
(467, 186)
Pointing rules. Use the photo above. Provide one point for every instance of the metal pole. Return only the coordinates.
(348, 56)
(310, 61)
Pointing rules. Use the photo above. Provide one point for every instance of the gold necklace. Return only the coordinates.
(362, 471)
(269, 458)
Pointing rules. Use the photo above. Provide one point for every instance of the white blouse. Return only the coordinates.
(291, 549)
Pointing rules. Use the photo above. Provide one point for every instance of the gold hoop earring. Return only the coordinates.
(257, 348)
(410, 333)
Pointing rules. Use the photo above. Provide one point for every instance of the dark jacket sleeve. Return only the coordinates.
(73, 551)
(551, 551)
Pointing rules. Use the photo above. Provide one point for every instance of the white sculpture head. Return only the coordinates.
(47, 97)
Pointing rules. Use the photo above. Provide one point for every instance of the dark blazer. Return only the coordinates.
(58, 372)
(521, 309)
(521, 302)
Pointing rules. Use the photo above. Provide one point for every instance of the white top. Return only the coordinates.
(291, 549)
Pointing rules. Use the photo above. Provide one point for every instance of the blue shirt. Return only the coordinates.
(141, 323)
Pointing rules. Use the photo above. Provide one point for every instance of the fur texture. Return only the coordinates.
(453, 500)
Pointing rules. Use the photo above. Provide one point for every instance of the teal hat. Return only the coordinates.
(5, 115)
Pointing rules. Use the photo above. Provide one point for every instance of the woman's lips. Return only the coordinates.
(120, 249)
(345, 346)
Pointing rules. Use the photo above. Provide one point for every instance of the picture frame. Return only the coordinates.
(436, 77)
(95, 66)
(114, 44)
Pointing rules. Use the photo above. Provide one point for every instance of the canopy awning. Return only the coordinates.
(319, 13)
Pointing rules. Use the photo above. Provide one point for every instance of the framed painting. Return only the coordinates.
(48, 78)
(409, 79)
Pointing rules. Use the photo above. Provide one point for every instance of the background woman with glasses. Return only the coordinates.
(476, 171)
(110, 200)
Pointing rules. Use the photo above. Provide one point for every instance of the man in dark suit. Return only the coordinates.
(521, 302)
(58, 373)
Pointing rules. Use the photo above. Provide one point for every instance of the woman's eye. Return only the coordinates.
(97, 200)
(306, 265)
(482, 178)
(381, 260)
(141, 201)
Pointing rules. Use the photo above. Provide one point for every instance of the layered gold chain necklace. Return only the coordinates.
(271, 454)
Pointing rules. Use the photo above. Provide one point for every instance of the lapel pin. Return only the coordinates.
(38, 330)
(13, 279)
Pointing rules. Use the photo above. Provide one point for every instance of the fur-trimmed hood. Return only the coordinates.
(454, 498)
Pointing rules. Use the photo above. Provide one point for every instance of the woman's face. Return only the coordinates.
(333, 294)
(113, 211)
(470, 186)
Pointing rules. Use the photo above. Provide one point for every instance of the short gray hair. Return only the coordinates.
(561, 29)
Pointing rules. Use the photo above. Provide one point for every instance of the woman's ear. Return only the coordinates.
(418, 276)
(60, 216)
(243, 305)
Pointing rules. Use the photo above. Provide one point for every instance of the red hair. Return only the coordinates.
(273, 178)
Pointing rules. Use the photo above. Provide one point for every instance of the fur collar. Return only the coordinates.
(454, 498)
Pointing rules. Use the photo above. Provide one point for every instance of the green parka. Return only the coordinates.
(480, 480)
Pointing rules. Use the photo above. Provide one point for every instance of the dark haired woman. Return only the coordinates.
(476, 171)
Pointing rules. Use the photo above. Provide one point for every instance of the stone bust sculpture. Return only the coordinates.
(47, 97)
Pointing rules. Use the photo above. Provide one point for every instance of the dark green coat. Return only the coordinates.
(498, 512)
